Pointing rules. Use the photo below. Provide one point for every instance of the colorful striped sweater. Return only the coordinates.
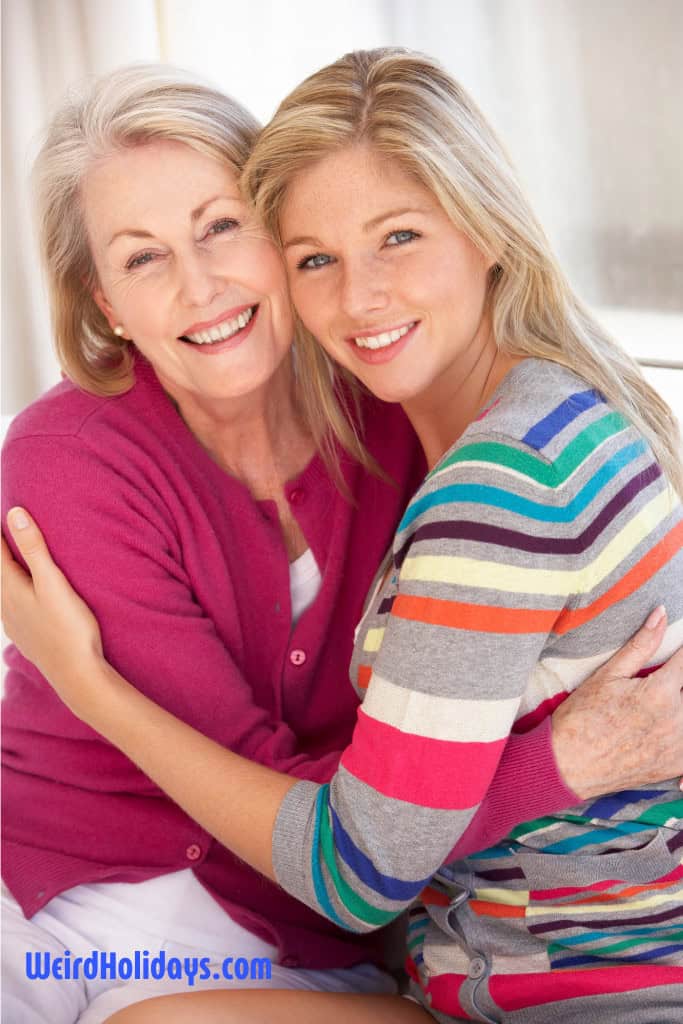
(533, 550)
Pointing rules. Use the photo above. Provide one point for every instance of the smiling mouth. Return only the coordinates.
(384, 339)
(223, 331)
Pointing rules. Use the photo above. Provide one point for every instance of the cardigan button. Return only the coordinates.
(193, 852)
(290, 961)
(297, 656)
(477, 967)
(297, 496)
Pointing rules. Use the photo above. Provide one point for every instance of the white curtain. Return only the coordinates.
(587, 97)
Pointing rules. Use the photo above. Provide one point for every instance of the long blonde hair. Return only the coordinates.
(411, 111)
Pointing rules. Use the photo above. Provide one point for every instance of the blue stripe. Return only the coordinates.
(607, 806)
(595, 836)
(653, 930)
(565, 413)
(323, 899)
(580, 961)
(385, 885)
(497, 497)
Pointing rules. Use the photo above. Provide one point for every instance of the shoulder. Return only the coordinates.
(68, 417)
(61, 411)
(548, 452)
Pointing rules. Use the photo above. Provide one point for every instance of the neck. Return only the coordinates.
(440, 415)
(258, 438)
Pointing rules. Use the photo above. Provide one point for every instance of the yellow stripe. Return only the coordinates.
(504, 896)
(471, 572)
(572, 909)
(373, 639)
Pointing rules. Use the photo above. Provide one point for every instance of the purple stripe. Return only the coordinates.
(677, 841)
(502, 874)
(461, 529)
(616, 922)
(385, 606)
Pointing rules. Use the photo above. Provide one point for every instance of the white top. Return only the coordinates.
(304, 583)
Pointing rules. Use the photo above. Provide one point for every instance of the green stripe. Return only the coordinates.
(417, 941)
(616, 947)
(551, 474)
(659, 814)
(527, 827)
(350, 899)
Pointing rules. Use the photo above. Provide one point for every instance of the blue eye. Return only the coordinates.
(222, 225)
(313, 262)
(401, 237)
(139, 260)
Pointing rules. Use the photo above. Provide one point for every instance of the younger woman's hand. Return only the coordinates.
(619, 731)
(44, 616)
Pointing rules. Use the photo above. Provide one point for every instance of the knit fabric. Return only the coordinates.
(536, 547)
(189, 578)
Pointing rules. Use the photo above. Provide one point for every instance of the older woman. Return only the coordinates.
(177, 478)
(177, 508)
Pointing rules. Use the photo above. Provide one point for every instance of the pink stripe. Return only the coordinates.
(550, 894)
(430, 773)
(444, 990)
(517, 991)
(543, 710)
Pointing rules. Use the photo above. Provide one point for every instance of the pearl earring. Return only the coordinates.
(118, 331)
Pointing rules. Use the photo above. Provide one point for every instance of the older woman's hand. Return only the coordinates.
(618, 731)
(44, 616)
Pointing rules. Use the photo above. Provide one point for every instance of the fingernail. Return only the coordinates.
(18, 519)
(655, 617)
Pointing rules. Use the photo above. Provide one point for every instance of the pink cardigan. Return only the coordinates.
(189, 579)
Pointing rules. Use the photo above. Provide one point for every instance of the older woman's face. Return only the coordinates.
(185, 270)
(383, 278)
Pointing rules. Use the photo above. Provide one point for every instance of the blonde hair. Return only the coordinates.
(409, 109)
(130, 107)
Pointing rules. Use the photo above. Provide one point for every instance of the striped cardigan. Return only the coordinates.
(537, 545)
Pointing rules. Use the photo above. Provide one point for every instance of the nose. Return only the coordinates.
(197, 281)
(364, 288)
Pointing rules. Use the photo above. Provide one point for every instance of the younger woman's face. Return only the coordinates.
(381, 276)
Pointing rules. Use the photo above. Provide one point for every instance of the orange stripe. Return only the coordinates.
(485, 909)
(364, 673)
(434, 897)
(642, 571)
(632, 890)
(487, 619)
(479, 617)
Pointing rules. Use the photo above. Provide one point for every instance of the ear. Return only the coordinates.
(104, 305)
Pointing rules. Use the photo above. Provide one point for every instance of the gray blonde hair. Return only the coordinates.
(409, 109)
(129, 107)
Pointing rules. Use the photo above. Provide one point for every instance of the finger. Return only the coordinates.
(12, 573)
(641, 648)
(671, 673)
(29, 541)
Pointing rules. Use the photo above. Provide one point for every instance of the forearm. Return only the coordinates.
(232, 798)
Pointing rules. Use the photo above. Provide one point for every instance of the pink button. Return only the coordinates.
(297, 656)
(298, 496)
(290, 961)
(193, 852)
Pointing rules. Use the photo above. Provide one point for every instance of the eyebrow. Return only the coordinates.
(194, 216)
(368, 226)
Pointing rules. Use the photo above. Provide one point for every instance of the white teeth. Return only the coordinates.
(222, 331)
(384, 339)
